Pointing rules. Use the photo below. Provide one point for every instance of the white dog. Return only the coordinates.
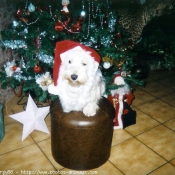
(80, 84)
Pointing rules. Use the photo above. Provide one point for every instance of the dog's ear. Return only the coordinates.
(96, 65)
(63, 56)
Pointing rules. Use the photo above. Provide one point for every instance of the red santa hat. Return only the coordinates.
(64, 47)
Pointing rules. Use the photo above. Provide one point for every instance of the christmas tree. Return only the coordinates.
(39, 25)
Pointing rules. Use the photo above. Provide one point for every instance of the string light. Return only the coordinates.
(69, 30)
(31, 22)
(26, 5)
(97, 9)
(89, 19)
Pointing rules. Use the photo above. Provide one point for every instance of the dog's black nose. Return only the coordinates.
(74, 77)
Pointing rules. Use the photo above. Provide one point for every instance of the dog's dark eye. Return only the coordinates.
(70, 62)
(84, 64)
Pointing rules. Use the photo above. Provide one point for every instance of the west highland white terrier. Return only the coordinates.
(78, 83)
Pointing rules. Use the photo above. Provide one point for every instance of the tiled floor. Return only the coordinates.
(148, 147)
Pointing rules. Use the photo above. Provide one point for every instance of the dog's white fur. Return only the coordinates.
(83, 93)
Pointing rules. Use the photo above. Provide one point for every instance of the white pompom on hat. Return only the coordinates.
(65, 46)
(119, 80)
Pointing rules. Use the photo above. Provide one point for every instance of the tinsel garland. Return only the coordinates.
(14, 44)
(45, 58)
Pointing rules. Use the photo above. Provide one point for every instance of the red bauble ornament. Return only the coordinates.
(61, 25)
(20, 12)
(37, 69)
(66, 23)
(76, 27)
(118, 35)
(58, 26)
(14, 68)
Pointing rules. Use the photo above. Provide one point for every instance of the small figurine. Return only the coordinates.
(121, 98)
(65, 4)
